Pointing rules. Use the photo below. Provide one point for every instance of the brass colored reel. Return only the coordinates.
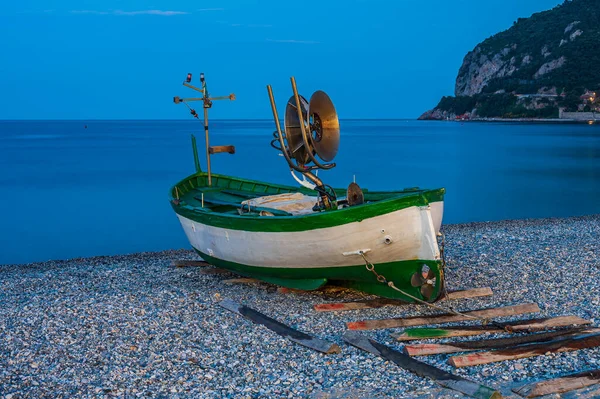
(324, 126)
(293, 131)
(312, 130)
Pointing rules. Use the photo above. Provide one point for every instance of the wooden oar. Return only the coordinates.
(280, 328)
(559, 385)
(529, 325)
(469, 346)
(443, 318)
(421, 369)
(524, 351)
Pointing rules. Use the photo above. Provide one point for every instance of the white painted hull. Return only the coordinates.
(406, 234)
(437, 214)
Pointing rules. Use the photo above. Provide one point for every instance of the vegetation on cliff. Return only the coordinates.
(504, 105)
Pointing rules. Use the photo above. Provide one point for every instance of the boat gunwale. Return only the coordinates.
(304, 221)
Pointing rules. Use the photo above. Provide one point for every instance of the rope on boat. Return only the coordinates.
(442, 247)
(371, 267)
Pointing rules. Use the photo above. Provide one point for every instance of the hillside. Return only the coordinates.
(543, 63)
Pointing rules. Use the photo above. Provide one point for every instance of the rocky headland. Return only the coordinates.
(545, 66)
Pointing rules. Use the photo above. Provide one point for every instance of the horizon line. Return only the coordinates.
(189, 120)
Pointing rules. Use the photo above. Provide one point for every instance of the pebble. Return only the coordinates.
(136, 326)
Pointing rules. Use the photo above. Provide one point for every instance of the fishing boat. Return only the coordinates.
(307, 235)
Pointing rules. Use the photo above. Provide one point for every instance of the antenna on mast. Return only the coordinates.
(206, 103)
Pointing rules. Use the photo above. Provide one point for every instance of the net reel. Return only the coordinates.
(312, 131)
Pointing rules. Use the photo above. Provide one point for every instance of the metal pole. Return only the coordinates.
(300, 116)
(207, 146)
(274, 109)
(284, 150)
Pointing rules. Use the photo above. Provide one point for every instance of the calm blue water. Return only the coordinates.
(66, 191)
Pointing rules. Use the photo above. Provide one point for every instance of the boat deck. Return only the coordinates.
(236, 196)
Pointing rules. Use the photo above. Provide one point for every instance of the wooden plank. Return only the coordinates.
(443, 318)
(559, 385)
(524, 351)
(286, 290)
(381, 302)
(334, 289)
(369, 304)
(472, 293)
(421, 369)
(469, 346)
(592, 392)
(327, 289)
(216, 149)
(528, 325)
(280, 328)
(186, 263)
(242, 280)
(214, 270)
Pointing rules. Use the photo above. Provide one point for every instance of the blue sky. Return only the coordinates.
(126, 60)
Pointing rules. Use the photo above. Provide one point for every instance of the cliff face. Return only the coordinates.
(478, 69)
(485, 65)
(551, 55)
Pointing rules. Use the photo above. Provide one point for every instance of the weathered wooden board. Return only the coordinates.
(186, 263)
(214, 270)
(421, 369)
(591, 392)
(469, 346)
(528, 325)
(381, 302)
(559, 385)
(216, 149)
(242, 280)
(369, 304)
(471, 293)
(280, 328)
(326, 289)
(443, 318)
(286, 290)
(524, 351)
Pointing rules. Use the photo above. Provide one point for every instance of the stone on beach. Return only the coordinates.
(135, 326)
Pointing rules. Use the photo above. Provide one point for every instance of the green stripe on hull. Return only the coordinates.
(357, 277)
(188, 189)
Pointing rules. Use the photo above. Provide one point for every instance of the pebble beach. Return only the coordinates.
(136, 326)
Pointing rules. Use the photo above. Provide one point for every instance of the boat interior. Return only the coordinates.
(237, 196)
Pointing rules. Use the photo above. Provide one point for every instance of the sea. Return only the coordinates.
(72, 189)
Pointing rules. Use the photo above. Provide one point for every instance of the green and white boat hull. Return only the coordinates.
(395, 230)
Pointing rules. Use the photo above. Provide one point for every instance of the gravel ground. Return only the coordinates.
(133, 325)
